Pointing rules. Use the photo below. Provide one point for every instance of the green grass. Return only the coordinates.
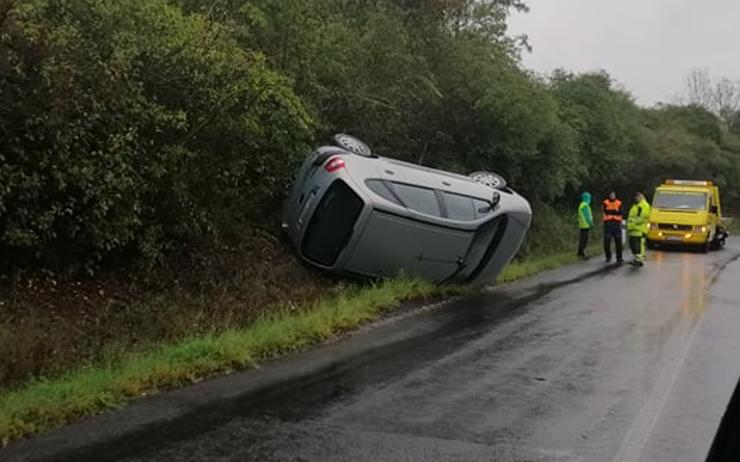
(523, 269)
(44, 404)
(537, 264)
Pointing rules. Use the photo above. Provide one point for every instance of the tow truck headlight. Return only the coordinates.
(700, 229)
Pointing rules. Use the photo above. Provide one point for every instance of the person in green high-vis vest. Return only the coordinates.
(637, 228)
(585, 223)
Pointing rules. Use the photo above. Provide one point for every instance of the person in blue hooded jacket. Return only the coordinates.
(585, 223)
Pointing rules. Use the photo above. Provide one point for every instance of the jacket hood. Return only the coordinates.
(586, 197)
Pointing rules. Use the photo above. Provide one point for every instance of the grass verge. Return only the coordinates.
(44, 404)
(532, 266)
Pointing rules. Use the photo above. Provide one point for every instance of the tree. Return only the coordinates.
(117, 135)
(607, 122)
(699, 90)
(726, 98)
(720, 96)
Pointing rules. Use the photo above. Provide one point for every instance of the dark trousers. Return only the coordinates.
(583, 242)
(612, 231)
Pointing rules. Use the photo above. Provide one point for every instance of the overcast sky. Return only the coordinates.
(647, 45)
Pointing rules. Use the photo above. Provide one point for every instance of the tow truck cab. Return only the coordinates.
(687, 212)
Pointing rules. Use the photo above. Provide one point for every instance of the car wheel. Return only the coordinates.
(651, 245)
(490, 179)
(353, 145)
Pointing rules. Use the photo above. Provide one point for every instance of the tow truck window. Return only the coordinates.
(680, 201)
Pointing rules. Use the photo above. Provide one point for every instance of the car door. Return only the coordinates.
(470, 210)
(418, 243)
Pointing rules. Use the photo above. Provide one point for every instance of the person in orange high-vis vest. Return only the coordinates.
(612, 208)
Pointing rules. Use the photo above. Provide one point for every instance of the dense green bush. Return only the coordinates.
(126, 123)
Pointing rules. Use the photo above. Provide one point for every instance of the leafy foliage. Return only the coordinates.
(124, 122)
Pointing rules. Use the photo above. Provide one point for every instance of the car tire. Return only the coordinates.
(651, 245)
(354, 145)
(490, 179)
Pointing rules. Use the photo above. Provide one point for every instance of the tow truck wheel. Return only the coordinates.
(718, 243)
(707, 246)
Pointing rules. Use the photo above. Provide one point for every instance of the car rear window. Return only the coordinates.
(421, 200)
(332, 224)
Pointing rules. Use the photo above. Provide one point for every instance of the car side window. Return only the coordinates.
(380, 188)
(459, 207)
(421, 200)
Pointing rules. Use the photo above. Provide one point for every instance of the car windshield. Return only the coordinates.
(682, 201)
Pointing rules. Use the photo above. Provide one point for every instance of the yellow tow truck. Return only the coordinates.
(687, 212)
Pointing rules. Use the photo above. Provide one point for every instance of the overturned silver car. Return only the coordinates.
(357, 214)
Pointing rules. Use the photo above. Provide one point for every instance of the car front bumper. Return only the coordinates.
(677, 237)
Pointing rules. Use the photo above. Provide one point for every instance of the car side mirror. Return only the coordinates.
(492, 204)
(713, 209)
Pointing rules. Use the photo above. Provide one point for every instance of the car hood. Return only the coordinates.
(679, 217)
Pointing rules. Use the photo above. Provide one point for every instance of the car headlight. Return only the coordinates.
(700, 229)
(652, 225)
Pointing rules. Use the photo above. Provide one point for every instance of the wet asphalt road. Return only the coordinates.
(587, 363)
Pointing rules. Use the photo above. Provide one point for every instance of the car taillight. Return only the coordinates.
(334, 164)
